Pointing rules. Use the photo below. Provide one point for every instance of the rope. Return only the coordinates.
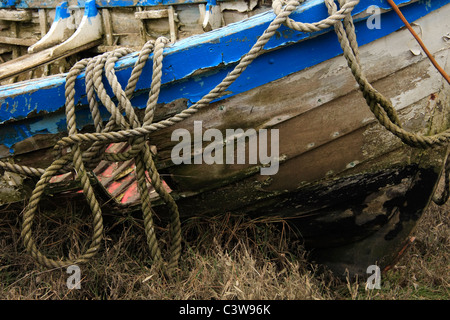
(124, 125)
(443, 198)
(380, 106)
(422, 45)
(140, 152)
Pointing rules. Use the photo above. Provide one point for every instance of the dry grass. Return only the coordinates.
(223, 258)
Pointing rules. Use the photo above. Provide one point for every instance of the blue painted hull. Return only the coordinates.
(220, 49)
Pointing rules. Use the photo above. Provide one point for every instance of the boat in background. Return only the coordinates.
(352, 188)
(77, 29)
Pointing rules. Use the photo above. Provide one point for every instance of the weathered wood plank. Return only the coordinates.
(108, 29)
(349, 142)
(27, 62)
(309, 110)
(51, 4)
(14, 31)
(307, 90)
(151, 14)
(208, 46)
(15, 15)
(24, 42)
(172, 24)
(43, 22)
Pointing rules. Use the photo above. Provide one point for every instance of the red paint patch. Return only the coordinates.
(117, 178)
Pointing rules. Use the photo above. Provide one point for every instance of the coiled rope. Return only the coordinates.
(139, 151)
(128, 128)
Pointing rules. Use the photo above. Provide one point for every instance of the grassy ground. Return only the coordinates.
(223, 258)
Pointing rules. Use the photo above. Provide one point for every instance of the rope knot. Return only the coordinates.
(346, 7)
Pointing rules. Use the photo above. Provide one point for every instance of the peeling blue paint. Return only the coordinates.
(90, 9)
(7, 3)
(62, 11)
(220, 50)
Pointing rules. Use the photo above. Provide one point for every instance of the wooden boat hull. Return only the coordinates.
(347, 224)
(352, 189)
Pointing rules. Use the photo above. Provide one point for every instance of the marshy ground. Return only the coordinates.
(225, 257)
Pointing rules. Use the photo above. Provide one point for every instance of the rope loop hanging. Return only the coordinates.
(122, 116)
